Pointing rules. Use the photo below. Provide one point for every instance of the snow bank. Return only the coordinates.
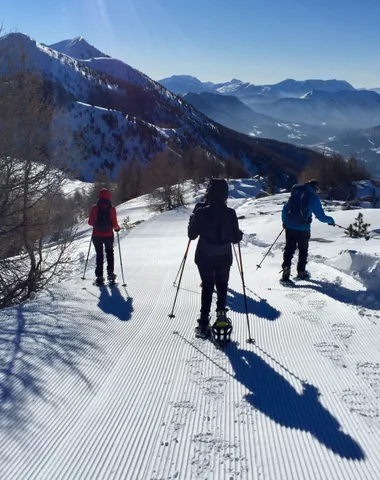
(364, 267)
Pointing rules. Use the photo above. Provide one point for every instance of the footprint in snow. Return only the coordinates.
(309, 316)
(343, 331)
(371, 374)
(359, 403)
(330, 350)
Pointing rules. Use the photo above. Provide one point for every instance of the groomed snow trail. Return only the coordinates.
(98, 385)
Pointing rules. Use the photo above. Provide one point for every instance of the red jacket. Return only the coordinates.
(103, 202)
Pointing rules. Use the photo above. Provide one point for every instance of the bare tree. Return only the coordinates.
(129, 181)
(164, 178)
(32, 206)
(334, 170)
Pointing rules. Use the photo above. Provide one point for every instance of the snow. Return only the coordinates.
(100, 383)
(120, 70)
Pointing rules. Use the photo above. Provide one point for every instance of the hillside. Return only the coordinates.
(363, 144)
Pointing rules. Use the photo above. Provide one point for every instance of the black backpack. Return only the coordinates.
(103, 220)
(298, 205)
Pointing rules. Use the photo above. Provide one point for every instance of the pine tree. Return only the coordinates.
(358, 228)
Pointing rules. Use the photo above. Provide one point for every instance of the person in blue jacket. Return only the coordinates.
(296, 220)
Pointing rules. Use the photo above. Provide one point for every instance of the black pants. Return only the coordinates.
(108, 246)
(296, 239)
(214, 271)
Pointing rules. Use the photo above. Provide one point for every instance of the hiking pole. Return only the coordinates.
(121, 262)
(180, 267)
(250, 340)
(340, 226)
(171, 315)
(270, 248)
(88, 254)
(237, 260)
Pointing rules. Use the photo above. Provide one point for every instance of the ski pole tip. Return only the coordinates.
(171, 315)
(250, 340)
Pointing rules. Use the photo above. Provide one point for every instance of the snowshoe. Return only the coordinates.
(287, 283)
(221, 329)
(202, 331)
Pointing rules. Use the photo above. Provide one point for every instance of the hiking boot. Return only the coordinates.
(204, 321)
(111, 277)
(99, 280)
(305, 275)
(203, 331)
(285, 274)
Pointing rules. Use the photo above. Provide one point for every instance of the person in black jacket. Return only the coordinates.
(217, 227)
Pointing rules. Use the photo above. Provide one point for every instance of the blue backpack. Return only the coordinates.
(298, 206)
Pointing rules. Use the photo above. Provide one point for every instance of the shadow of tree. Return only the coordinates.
(275, 397)
(112, 301)
(36, 341)
(261, 308)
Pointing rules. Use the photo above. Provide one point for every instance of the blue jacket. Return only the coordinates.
(315, 207)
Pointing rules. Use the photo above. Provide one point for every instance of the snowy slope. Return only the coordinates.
(87, 145)
(120, 70)
(100, 383)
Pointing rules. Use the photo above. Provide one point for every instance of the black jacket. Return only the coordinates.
(217, 227)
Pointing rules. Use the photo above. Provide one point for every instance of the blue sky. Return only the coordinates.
(260, 41)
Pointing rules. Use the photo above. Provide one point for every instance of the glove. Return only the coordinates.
(117, 230)
(284, 226)
(332, 224)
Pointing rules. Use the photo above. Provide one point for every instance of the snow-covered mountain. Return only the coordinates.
(233, 113)
(116, 114)
(77, 48)
(182, 84)
(98, 383)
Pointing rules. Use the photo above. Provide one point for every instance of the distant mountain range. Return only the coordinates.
(182, 84)
(111, 113)
(232, 112)
(305, 113)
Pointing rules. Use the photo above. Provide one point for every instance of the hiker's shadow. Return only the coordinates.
(341, 294)
(275, 397)
(112, 301)
(261, 308)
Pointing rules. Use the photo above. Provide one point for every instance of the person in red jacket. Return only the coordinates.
(104, 220)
